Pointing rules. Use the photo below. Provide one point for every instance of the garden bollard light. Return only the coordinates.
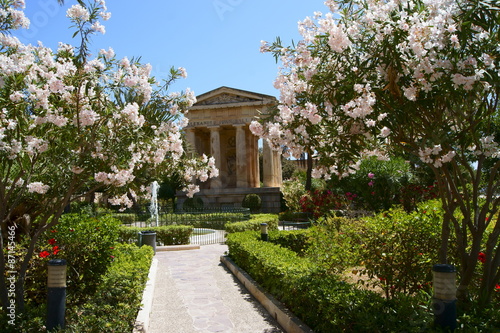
(263, 232)
(56, 296)
(444, 301)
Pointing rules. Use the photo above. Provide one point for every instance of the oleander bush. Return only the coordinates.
(254, 223)
(165, 235)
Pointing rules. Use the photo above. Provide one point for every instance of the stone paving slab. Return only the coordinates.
(195, 292)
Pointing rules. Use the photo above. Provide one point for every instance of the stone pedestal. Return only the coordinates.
(232, 198)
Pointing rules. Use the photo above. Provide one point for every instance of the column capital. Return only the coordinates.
(214, 127)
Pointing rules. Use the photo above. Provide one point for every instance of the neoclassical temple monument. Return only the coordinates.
(218, 126)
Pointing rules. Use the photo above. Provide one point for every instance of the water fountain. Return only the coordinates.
(153, 206)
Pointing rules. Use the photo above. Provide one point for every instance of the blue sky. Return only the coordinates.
(217, 41)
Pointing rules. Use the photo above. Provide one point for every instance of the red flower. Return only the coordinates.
(53, 230)
(56, 249)
(481, 257)
(44, 254)
(497, 287)
(52, 241)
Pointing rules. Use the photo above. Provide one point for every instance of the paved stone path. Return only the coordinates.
(194, 293)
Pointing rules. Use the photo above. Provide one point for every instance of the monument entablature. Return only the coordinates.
(219, 126)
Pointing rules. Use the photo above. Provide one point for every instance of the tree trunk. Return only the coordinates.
(445, 236)
(309, 172)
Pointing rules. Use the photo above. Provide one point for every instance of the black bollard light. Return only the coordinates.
(444, 302)
(263, 232)
(56, 296)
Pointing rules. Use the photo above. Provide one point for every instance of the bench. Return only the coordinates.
(294, 225)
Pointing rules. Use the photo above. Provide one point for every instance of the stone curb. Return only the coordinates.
(288, 321)
(142, 320)
(178, 247)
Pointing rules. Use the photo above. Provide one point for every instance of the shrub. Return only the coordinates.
(292, 191)
(114, 306)
(322, 301)
(399, 248)
(412, 194)
(253, 202)
(193, 204)
(334, 244)
(254, 223)
(295, 240)
(377, 183)
(295, 216)
(166, 235)
(86, 243)
(322, 202)
(126, 218)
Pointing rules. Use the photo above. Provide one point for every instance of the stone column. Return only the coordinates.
(267, 165)
(271, 166)
(241, 157)
(253, 153)
(215, 150)
(191, 140)
(278, 170)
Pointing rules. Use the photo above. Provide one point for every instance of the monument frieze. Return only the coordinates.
(205, 123)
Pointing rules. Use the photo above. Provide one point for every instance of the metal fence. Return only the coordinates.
(202, 236)
(209, 223)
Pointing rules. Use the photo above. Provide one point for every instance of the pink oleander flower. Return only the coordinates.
(78, 12)
(38, 187)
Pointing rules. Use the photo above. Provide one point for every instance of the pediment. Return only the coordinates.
(226, 99)
(230, 96)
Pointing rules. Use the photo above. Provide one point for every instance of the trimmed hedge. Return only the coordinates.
(295, 240)
(126, 218)
(254, 223)
(166, 235)
(117, 300)
(322, 301)
(112, 307)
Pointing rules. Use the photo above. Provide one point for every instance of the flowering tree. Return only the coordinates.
(71, 124)
(419, 76)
